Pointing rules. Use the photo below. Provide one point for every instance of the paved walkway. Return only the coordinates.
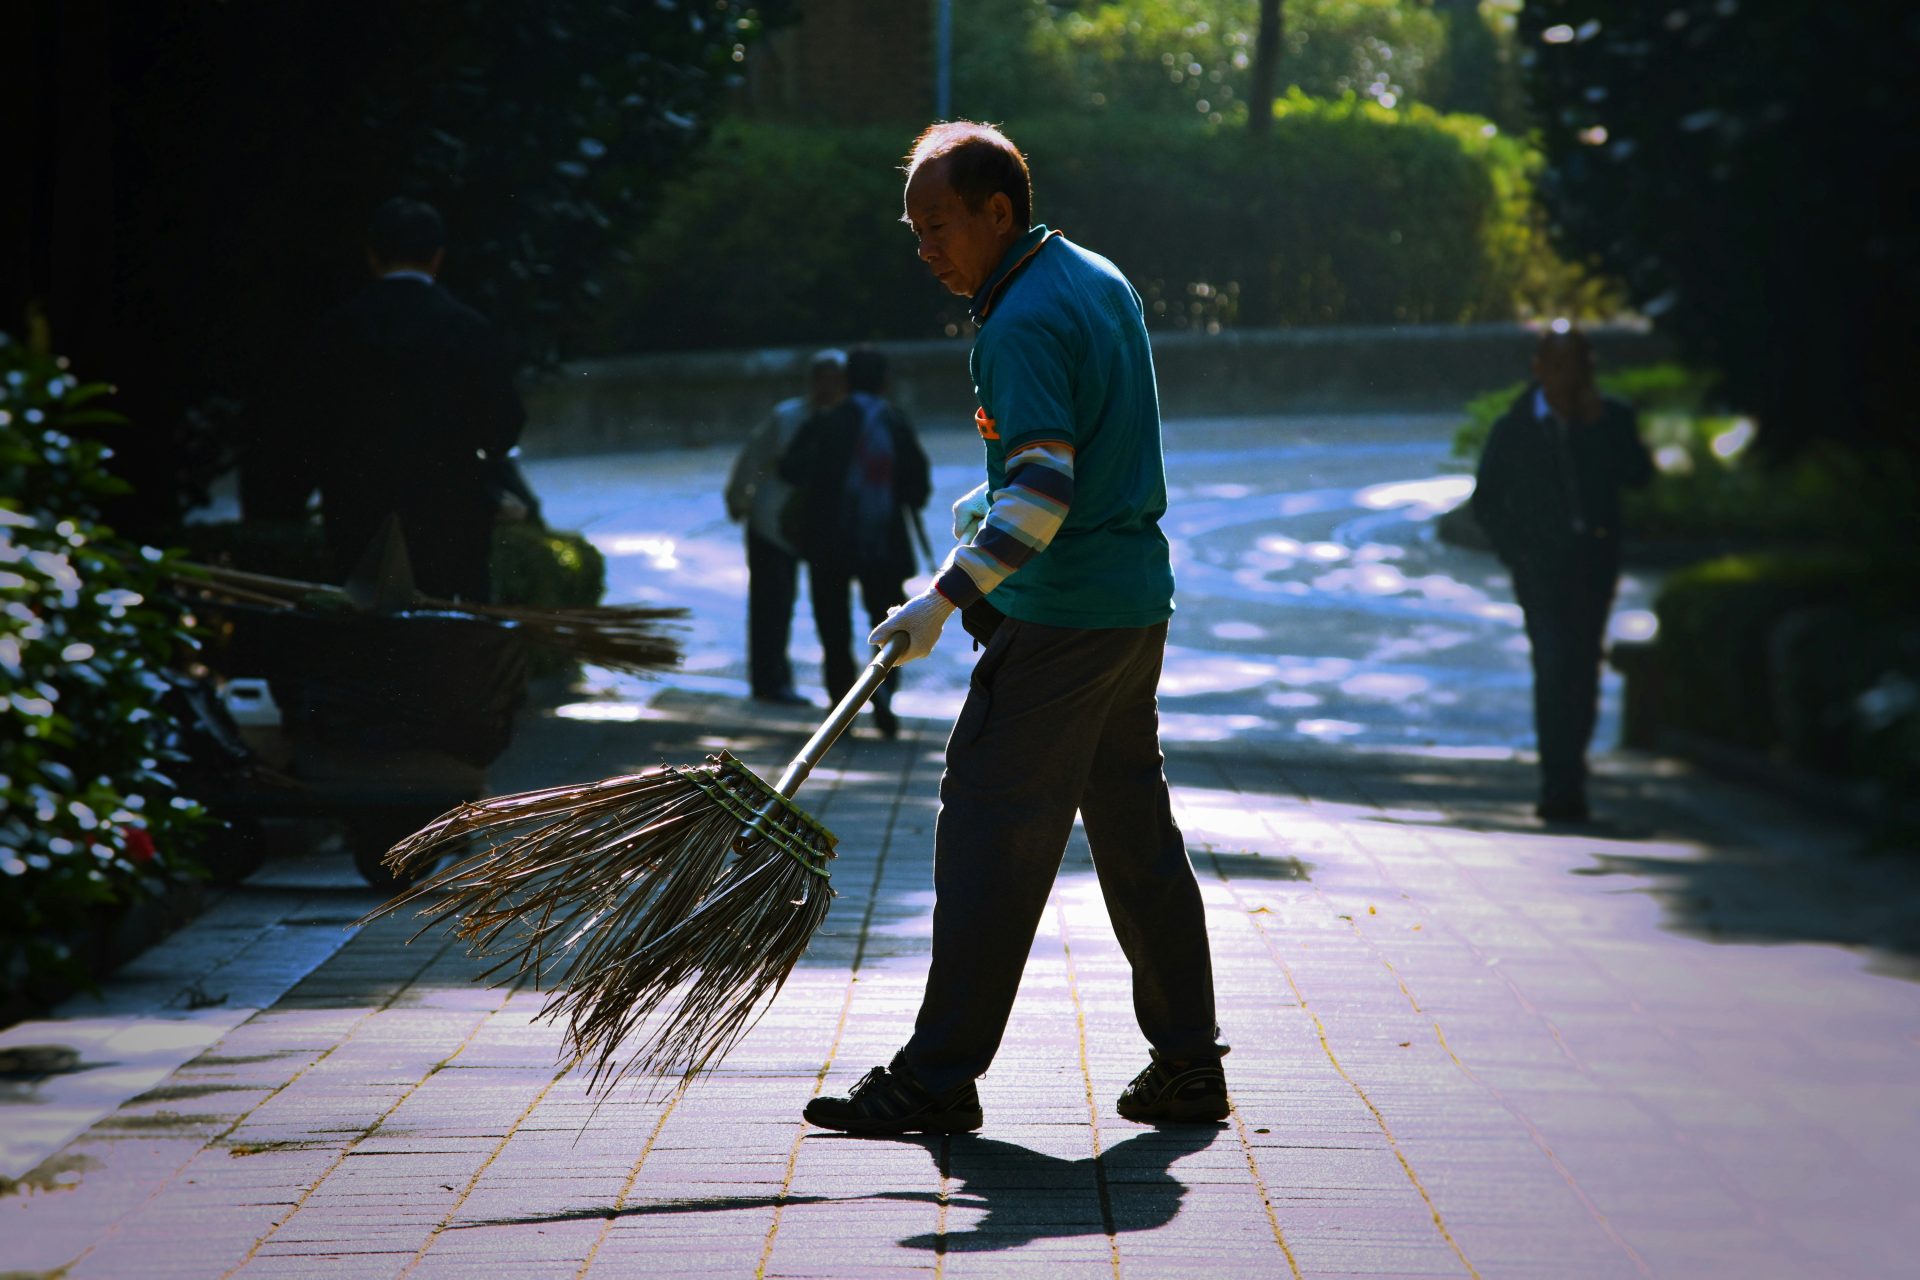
(1681, 1046)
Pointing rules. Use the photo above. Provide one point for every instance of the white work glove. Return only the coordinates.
(969, 512)
(921, 618)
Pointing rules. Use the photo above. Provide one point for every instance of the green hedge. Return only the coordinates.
(1348, 213)
(1809, 657)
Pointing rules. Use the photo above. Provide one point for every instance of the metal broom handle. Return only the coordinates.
(836, 723)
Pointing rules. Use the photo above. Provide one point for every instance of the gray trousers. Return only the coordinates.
(1058, 720)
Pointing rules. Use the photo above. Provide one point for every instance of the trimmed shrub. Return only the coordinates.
(1347, 213)
(1773, 652)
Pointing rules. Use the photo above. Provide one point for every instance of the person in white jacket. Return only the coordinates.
(757, 497)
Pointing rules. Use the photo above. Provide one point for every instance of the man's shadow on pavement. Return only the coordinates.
(1026, 1195)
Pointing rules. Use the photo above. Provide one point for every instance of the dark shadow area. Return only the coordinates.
(1024, 1195)
(1028, 1195)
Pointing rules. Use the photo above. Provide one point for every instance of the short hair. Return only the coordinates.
(827, 358)
(404, 230)
(980, 161)
(1562, 336)
(866, 370)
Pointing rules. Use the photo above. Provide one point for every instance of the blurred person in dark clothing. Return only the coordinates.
(408, 399)
(758, 497)
(861, 478)
(1548, 496)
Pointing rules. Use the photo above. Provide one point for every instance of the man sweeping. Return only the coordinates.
(1063, 570)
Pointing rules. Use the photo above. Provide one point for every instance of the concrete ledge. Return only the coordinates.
(674, 399)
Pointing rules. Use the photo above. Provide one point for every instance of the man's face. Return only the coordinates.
(1563, 369)
(829, 386)
(961, 246)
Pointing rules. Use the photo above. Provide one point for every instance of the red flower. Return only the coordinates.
(139, 843)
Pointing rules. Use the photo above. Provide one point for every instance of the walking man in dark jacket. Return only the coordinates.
(1061, 717)
(1548, 496)
(408, 398)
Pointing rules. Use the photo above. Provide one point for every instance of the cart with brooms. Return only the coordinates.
(387, 706)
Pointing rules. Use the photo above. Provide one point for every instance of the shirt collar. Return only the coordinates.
(1541, 409)
(1015, 258)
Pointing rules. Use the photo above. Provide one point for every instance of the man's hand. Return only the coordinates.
(921, 618)
(969, 512)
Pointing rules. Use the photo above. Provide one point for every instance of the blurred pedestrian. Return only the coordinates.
(1067, 574)
(861, 478)
(1548, 496)
(407, 397)
(758, 497)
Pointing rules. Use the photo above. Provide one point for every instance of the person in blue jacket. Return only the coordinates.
(1063, 566)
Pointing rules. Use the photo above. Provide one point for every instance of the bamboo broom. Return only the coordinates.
(620, 637)
(662, 910)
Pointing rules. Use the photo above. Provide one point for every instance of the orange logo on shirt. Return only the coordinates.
(985, 425)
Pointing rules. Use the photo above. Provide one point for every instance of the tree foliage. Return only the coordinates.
(1749, 171)
(1017, 57)
(248, 142)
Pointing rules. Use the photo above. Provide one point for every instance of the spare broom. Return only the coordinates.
(663, 910)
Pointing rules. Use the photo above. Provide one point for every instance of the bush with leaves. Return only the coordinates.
(1185, 57)
(1347, 213)
(90, 819)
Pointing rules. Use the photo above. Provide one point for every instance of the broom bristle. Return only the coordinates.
(624, 898)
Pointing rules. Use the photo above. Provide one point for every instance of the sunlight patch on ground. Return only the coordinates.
(657, 548)
(1227, 819)
(608, 712)
(1634, 624)
(1301, 671)
(1387, 686)
(1178, 726)
(1328, 728)
(1366, 580)
(1444, 753)
(1425, 640)
(1429, 497)
(1190, 672)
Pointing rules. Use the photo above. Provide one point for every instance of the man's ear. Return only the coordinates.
(1000, 209)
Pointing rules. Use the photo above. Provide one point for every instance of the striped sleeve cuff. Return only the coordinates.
(1021, 522)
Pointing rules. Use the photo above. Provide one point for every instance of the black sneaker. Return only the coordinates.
(888, 1100)
(1572, 811)
(1176, 1093)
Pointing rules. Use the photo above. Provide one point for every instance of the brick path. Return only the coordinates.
(1462, 1047)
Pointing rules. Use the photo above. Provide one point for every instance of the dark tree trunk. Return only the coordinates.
(1266, 68)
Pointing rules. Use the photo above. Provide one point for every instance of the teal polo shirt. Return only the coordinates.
(1062, 355)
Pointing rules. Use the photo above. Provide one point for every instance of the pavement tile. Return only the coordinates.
(1452, 1056)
